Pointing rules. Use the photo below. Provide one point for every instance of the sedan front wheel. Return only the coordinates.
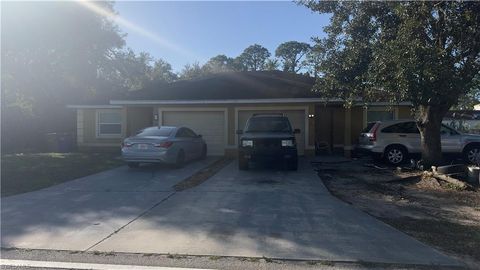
(180, 161)
(203, 155)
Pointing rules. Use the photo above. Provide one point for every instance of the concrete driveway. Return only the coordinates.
(263, 212)
(77, 214)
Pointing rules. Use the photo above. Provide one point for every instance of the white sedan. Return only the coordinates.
(163, 144)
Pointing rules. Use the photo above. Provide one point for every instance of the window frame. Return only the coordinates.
(394, 110)
(97, 124)
(402, 125)
(453, 132)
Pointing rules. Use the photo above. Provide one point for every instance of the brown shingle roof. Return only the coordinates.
(231, 85)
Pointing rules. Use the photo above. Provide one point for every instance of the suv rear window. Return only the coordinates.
(268, 124)
(369, 127)
(405, 127)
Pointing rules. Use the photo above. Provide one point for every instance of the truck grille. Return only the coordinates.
(267, 144)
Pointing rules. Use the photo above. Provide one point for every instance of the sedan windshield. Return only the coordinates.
(268, 124)
(156, 131)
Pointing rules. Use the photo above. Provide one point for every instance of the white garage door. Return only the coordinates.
(296, 118)
(210, 124)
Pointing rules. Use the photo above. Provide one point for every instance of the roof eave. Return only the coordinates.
(105, 106)
(223, 101)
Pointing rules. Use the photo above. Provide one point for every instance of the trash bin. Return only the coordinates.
(59, 142)
(473, 173)
(65, 143)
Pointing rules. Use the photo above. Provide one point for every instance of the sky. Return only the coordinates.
(188, 32)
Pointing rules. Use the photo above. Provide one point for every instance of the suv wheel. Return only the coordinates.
(471, 154)
(242, 164)
(395, 154)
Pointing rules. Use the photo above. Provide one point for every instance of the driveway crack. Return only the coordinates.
(131, 221)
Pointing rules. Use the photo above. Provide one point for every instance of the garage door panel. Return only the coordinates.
(296, 118)
(210, 124)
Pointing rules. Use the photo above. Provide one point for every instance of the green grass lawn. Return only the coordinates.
(28, 172)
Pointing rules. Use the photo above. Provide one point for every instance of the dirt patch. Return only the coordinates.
(430, 210)
(202, 175)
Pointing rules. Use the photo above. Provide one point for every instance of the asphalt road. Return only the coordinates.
(188, 262)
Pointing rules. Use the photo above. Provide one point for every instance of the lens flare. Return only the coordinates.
(134, 27)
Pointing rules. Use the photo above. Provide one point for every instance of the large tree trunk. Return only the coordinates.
(429, 121)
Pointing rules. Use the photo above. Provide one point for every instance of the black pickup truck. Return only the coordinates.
(268, 137)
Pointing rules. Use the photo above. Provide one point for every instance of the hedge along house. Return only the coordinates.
(218, 105)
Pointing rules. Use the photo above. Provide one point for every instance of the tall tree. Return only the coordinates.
(51, 54)
(219, 63)
(254, 57)
(162, 71)
(314, 59)
(271, 64)
(427, 53)
(132, 70)
(238, 64)
(192, 71)
(129, 71)
(291, 54)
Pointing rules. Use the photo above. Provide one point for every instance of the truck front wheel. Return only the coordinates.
(242, 164)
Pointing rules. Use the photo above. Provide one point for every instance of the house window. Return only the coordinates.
(379, 115)
(373, 114)
(109, 123)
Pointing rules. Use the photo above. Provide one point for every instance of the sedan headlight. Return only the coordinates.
(246, 143)
(286, 143)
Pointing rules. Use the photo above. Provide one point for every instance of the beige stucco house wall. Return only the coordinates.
(331, 125)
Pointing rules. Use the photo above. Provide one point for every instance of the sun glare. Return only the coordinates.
(135, 28)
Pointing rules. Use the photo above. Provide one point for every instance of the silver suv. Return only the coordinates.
(395, 140)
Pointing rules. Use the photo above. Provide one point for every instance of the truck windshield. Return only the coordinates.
(268, 124)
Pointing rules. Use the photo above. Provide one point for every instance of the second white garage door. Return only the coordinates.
(210, 124)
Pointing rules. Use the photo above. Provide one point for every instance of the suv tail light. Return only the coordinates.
(163, 144)
(374, 130)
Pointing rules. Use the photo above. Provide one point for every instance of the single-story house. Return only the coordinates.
(218, 105)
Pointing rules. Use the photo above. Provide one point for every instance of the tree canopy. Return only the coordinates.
(59, 53)
(192, 71)
(162, 71)
(426, 53)
(219, 63)
(52, 54)
(45, 60)
(291, 54)
(254, 57)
